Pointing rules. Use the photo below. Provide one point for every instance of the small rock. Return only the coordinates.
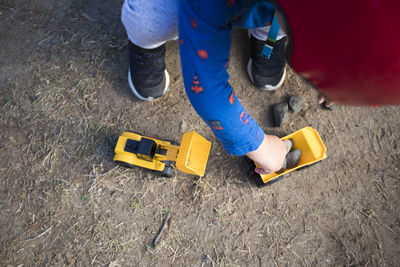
(289, 144)
(206, 259)
(55, 39)
(295, 103)
(280, 113)
(293, 158)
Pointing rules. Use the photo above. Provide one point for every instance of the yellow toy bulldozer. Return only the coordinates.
(190, 157)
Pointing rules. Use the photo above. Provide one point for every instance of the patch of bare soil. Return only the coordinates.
(64, 99)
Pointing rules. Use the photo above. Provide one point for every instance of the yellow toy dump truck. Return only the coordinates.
(312, 150)
(190, 157)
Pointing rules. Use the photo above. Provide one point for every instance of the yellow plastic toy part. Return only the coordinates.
(193, 154)
(131, 158)
(312, 150)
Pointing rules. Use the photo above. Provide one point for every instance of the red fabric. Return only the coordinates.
(350, 50)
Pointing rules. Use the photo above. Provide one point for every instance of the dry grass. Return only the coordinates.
(64, 202)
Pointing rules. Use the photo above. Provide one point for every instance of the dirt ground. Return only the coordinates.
(64, 99)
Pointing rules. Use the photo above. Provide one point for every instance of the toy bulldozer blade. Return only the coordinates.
(191, 156)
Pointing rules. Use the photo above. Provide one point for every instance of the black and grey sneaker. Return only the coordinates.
(147, 76)
(268, 74)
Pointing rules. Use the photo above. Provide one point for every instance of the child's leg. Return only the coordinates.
(149, 24)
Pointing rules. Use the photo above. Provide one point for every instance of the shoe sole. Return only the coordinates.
(266, 87)
(150, 98)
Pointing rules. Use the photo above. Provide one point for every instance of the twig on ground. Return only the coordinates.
(158, 236)
(295, 253)
(283, 216)
(69, 229)
(36, 237)
(379, 187)
(277, 251)
(372, 219)
(86, 16)
(216, 255)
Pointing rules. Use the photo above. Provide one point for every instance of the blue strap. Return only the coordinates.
(271, 38)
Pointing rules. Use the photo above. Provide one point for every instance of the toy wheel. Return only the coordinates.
(168, 171)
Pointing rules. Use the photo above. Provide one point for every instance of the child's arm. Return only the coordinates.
(205, 41)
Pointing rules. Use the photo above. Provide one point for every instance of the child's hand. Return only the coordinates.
(270, 155)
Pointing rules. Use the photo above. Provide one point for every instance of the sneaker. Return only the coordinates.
(268, 74)
(147, 76)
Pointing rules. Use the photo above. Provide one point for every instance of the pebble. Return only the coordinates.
(293, 158)
(206, 259)
(280, 113)
(288, 143)
(295, 103)
(55, 39)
